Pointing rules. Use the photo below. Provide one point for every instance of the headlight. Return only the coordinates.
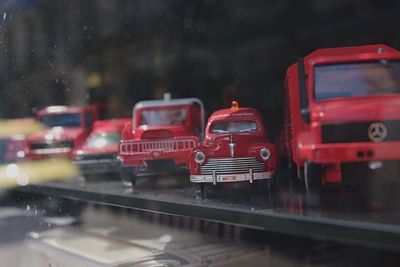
(199, 157)
(265, 154)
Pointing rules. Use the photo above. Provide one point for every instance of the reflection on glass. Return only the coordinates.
(163, 117)
(357, 79)
(61, 120)
(234, 127)
(101, 140)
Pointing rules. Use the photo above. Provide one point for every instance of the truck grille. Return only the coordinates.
(232, 165)
(158, 145)
(357, 132)
(51, 145)
(98, 156)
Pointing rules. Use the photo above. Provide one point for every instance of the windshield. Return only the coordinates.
(234, 127)
(175, 116)
(357, 79)
(101, 140)
(63, 120)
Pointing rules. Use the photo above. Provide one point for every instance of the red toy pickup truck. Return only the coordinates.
(67, 129)
(342, 113)
(99, 153)
(161, 136)
(235, 149)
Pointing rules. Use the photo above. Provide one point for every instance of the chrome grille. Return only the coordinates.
(232, 165)
(51, 145)
(354, 132)
(96, 156)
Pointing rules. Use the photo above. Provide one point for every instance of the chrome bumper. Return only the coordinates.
(226, 178)
(98, 166)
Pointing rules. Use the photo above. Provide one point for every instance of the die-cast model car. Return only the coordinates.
(161, 136)
(99, 153)
(13, 138)
(235, 149)
(66, 129)
(342, 116)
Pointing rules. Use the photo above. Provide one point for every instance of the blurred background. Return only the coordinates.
(119, 52)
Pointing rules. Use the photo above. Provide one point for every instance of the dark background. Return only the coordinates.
(119, 52)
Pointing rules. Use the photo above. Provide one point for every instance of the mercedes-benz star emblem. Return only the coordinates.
(377, 132)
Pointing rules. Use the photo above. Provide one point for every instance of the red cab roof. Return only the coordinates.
(110, 125)
(239, 113)
(351, 50)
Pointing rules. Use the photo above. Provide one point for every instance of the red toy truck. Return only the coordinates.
(161, 135)
(342, 112)
(67, 129)
(99, 153)
(235, 149)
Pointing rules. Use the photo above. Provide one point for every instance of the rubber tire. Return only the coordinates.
(200, 190)
(312, 185)
(127, 174)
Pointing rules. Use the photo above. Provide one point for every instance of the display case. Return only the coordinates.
(297, 164)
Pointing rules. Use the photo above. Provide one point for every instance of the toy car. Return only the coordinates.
(67, 129)
(99, 153)
(342, 115)
(161, 135)
(13, 138)
(235, 149)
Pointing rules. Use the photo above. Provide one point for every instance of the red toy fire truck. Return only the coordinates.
(67, 129)
(161, 135)
(342, 113)
(235, 149)
(99, 153)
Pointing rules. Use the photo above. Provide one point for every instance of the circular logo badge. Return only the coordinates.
(377, 132)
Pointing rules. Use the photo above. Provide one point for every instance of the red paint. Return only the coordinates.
(61, 141)
(233, 146)
(303, 142)
(103, 127)
(144, 142)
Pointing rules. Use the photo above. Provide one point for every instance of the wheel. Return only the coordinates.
(264, 187)
(200, 190)
(312, 183)
(128, 176)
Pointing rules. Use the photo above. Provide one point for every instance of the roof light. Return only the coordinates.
(167, 96)
(235, 105)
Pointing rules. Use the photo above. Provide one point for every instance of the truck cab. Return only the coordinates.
(161, 135)
(66, 129)
(235, 149)
(342, 112)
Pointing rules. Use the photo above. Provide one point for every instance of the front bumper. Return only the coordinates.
(226, 178)
(49, 153)
(137, 158)
(98, 165)
(344, 152)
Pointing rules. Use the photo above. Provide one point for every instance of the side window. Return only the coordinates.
(89, 120)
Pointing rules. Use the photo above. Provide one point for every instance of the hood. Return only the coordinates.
(57, 133)
(112, 149)
(357, 109)
(160, 132)
(235, 145)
